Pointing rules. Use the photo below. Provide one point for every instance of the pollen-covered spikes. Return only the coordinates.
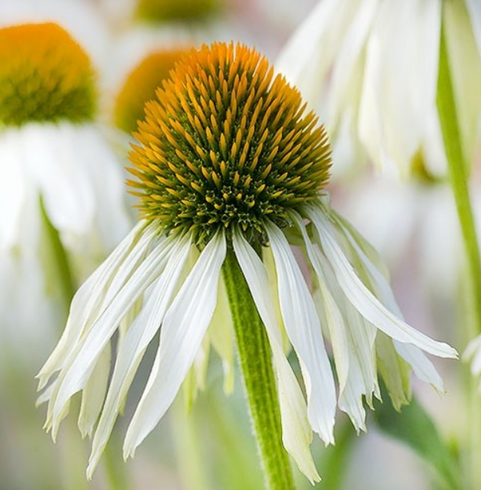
(227, 144)
(44, 76)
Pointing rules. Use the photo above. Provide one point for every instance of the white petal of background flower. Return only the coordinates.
(14, 185)
(182, 332)
(399, 88)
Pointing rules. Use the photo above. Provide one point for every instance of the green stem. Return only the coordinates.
(458, 174)
(190, 455)
(459, 177)
(259, 381)
(54, 257)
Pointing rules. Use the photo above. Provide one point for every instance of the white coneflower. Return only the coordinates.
(371, 68)
(53, 168)
(80, 18)
(140, 86)
(229, 171)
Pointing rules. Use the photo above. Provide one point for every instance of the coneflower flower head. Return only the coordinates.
(227, 144)
(45, 76)
(176, 10)
(230, 162)
(50, 145)
(140, 86)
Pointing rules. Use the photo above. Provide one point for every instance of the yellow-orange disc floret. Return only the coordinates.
(140, 86)
(226, 143)
(44, 76)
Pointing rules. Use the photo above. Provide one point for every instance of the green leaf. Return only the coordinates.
(414, 427)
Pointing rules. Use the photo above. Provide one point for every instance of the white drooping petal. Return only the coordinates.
(400, 80)
(134, 344)
(221, 332)
(423, 367)
(352, 339)
(111, 219)
(13, 185)
(89, 299)
(464, 52)
(346, 79)
(473, 354)
(81, 361)
(364, 300)
(308, 56)
(183, 330)
(304, 331)
(296, 431)
(93, 395)
(60, 176)
(474, 8)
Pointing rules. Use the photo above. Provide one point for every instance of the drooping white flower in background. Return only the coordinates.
(422, 218)
(229, 163)
(54, 166)
(152, 25)
(140, 86)
(370, 68)
(79, 17)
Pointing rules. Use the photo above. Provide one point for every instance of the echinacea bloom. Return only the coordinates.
(370, 67)
(140, 85)
(176, 10)
(53, 167)
(229, 163)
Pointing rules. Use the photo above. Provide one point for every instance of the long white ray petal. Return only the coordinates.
(13, 185)
(399, 88)
(304, 331)
(80, 363)
(422, 366)
(296, 431)
(93, 395)
(474, 8)
(308, 56)
(133, 346)
(221, 332)
(87, 302)
(182, 332)
(60, 176)
(352, 342)
(365, 302)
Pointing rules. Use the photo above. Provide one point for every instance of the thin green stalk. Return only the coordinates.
(190, 454)
(259, 381)
(459, 178)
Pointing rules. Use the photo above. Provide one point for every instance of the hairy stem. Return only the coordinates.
(259, 381)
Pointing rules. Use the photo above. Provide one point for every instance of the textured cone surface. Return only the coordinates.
(140, 87)
(44, 76)
(226, 143)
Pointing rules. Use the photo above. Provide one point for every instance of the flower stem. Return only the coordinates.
(458, 174)
(459, 177)
(259, 381)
